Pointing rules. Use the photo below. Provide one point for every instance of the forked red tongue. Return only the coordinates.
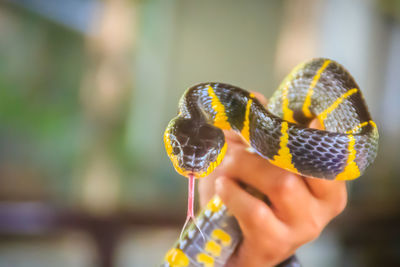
(192, 182)
(190, 213)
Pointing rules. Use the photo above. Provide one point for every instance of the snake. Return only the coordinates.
(344, 146)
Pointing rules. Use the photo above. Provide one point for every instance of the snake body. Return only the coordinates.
(194, 140)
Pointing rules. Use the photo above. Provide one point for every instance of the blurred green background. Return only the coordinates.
(87, 88)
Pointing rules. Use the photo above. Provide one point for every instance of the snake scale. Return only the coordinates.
(194, 140)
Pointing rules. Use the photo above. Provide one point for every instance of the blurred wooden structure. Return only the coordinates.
(28, 220)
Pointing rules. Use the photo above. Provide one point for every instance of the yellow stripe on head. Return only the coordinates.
(324, 114)
(220, 119)
(213, 164)
(177, 258)
(307, 101)
(174, 158)
(351, 171)
(284, 159)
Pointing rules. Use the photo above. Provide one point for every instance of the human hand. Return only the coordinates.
(300, 207)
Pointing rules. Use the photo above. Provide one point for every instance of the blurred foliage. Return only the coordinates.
(47, 136)
(41, 65)
(391, 8)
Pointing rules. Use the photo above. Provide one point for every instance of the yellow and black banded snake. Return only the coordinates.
(194, 140)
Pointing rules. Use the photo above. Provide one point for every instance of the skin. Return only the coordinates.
(300, 208)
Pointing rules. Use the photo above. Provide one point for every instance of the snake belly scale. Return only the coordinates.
(194, 140)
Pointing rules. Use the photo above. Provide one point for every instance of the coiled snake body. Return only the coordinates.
(195, 143)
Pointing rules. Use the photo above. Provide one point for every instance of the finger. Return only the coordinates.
(251, 213)
(260, 97)
(332, 193)
(252, 254)
(232, 137)
(206, 188)
(315, 124)
(284, 189)
(206, 185)
(264, 234)
(325, 189)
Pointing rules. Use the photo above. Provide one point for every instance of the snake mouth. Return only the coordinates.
(195, 168)
(193, 163)
(192, 169)
(188, 173)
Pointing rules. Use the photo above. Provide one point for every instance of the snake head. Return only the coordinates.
(195, 148)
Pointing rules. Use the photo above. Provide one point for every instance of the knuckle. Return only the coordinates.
(282, 237)
(285, 199)
(278, 250)
(272, 248)
(312, 230)
(340, 203)
(259, 216)
(238, 155)
(229, 161)
(312, 234)
(234, 155)
(286, 185)
(279, 241)
(315, 222)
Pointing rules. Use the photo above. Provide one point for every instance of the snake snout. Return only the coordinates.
(194, 159)
(193, 147)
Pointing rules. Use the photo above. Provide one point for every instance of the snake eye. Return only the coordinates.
(176, 150)
(214, 153)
